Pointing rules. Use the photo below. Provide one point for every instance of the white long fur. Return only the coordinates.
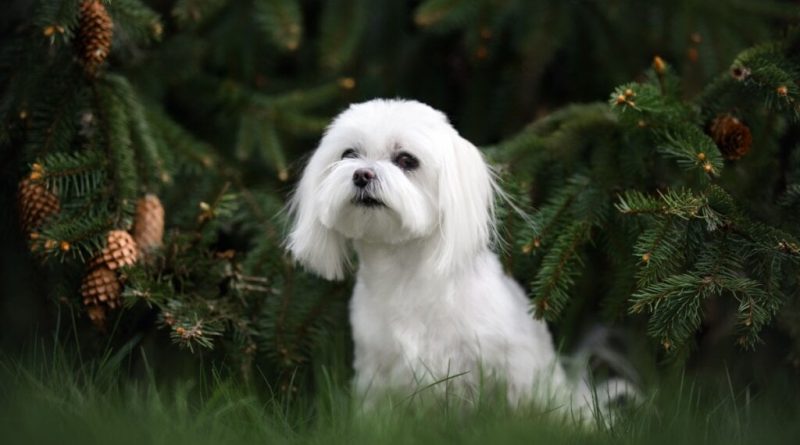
(431, 299)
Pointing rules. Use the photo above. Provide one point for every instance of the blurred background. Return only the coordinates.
(211, 106)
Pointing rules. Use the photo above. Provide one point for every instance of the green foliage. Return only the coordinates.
(218, 284)
(73, 174)
(85, 236)
(112, 98)
(280, 21)
(63, 14)
(695, 242)
(623, 208)
(192, 13)
(446, 13)
(342, 29)
(558, 270)
(56, 398)
(137, 22)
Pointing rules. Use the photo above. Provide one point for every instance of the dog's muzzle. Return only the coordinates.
(362, 178)
(367, 201)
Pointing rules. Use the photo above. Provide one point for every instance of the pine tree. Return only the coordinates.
(654, 186)
(180, 126)
(89, 85)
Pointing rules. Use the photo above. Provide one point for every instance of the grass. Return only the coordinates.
(57, 398)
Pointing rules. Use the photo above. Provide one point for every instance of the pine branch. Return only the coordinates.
(195, 333)
(53, 119)
(765, 71)
(73, 174)
(555, 136)
(659, 251)
(136, 21)
(149, 161)
(69, 238)
(56, 18)
(193, 13)
(647, 105)
(302, 99)
(559, 269)
(342, 28)
(756, 307)
(272, 151)
(548, 218)
(675, 307)
(445, 14)
(191, 153)
(280, 21)
(692, 149)
(110, 95)
(680, 203)
(300, 125)
(789, 202)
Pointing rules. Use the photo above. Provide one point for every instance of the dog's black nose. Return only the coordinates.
(363, 176)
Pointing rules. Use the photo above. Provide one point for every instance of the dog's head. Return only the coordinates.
(389, 172)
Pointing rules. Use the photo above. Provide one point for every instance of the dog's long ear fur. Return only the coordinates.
(317, 247)
(466, 204)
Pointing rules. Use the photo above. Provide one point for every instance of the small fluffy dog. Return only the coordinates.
(415, 200)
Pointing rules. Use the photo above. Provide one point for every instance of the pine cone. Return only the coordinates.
(101, 286)
(36, 204)
(148, 227)
(731, 135)
(95, 31)
(120, 251)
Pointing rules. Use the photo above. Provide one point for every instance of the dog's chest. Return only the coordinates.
(412, 326)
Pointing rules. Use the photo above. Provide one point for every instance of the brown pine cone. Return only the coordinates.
(731, 135)
(101, 286)
(148, 227)
(95, 32)
(36, 204)
(120, 251)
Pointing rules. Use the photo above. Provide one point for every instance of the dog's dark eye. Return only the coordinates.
(406, 161)
(349, 153)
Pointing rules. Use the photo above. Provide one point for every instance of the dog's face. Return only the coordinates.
(387, 172)
(378, 178)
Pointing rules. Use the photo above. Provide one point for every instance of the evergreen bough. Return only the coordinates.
(632, 207)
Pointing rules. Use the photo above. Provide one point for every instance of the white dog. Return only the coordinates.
(415, 200)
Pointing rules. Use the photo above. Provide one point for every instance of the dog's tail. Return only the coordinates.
(600, 401)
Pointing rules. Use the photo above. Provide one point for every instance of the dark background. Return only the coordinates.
(493, 67)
